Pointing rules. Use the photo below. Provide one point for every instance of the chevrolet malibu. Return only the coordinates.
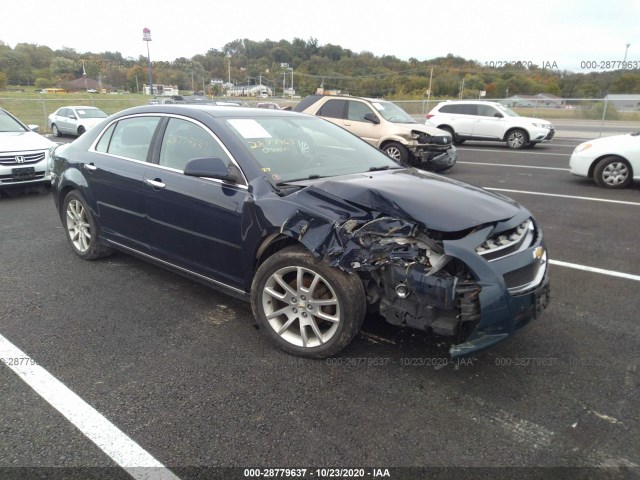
(312, 225)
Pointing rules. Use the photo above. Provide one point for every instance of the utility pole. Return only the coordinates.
(146, 36)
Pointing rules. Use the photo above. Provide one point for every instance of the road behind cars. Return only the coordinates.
(183, 372)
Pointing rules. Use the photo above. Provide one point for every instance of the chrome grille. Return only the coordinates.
(29, 158)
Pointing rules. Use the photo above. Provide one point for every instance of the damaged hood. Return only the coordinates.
(434, 201)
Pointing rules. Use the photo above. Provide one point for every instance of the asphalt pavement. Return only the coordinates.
(183, 372)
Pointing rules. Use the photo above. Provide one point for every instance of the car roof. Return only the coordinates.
(80, 106)
(212, 110)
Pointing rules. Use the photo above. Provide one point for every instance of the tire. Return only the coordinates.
(81, 229)
(454, 137)
(397, 151)
(316, 319)
(55, 131)
(532, 144)
(81, 130)
(517, 139)
(612, 172)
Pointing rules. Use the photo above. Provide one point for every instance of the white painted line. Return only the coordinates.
(573, 197)
(111, 440)
(512, 152)
(612, 273)
(514, 166)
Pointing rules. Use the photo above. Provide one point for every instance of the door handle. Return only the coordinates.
(90, 166)
(157, 183)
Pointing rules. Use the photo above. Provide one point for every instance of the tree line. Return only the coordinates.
(304, 65)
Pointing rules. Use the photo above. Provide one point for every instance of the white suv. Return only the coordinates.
(481, 120)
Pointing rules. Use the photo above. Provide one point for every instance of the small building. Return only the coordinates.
(540, 100)
(161, 90)
(624, 102)
(249, 91)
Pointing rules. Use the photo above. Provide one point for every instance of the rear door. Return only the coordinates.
(116, 179)
(333, 110)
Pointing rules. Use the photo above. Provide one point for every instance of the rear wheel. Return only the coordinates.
(81, 228)
(55, 131)
(305, 306)
(397, 151)
(612, 172)
(454, 137)
(517, 139)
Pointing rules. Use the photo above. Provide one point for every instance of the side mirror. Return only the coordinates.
(34, 128)
(210, 167)
(498, 115)
(370, 117)
(72, 116)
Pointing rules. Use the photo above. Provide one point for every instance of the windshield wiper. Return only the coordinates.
(310, 177)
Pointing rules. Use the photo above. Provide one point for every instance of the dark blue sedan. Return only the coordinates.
(311, 224)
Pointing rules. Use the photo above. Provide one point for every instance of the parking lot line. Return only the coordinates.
(514, 166)
(573, 197)
(110, 439)
(511, 152)
(586, 268)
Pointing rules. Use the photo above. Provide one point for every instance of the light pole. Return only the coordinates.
(625, 54)
(146, 36)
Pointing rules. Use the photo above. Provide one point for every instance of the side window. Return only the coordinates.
(131, 137)
(357, 111)
(184, 141)
(486, 111)
(333, 109)
(469, 109)
(63, 112)
(448, 109)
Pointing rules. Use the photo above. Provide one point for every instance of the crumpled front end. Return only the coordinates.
(477, 287)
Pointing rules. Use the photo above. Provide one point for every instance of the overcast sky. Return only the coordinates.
(556, 33)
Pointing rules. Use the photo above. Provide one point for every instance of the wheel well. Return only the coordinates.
(592, 167)
(270, 245)
(446, 127)
(62, 195)
(506, 134)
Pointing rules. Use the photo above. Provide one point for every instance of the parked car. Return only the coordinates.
(386, 126)
(272, 105)
(612, 162)
(489, 121)
(313, 240)
(74, 120)
(24, 154)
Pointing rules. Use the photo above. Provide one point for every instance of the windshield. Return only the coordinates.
(91, 113)
(507, 111)
(290, 148)
(392, 112)
(10, 124)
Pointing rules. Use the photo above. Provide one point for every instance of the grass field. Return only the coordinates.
(34, 108)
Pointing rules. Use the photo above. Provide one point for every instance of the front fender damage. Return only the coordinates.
(408, 276)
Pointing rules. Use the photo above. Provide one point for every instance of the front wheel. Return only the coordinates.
(80, 228)
(81, 130)
(517, 139)
(305, 306)
(612, 172)
(397, 151)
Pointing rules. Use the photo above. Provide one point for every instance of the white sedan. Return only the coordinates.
(74, 120)
(612, 162)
